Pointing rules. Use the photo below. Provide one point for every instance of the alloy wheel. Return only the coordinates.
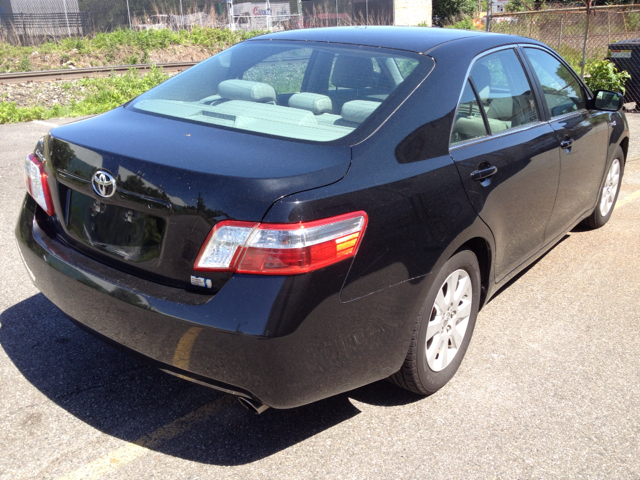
(449, 320)
(610, 188)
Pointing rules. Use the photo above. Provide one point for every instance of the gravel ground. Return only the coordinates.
(42, 94)
(45, 94)
(550, 386)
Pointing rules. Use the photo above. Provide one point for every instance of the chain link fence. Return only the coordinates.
(582, 36)
(85, 17)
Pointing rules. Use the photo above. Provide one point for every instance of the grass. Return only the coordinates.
(116, 46)
(103, 95)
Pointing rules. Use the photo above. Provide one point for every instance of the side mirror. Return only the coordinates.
(607, 101)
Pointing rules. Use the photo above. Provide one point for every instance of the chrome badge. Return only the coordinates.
(103, 183)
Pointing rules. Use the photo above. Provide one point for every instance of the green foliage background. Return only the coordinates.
(448, 10)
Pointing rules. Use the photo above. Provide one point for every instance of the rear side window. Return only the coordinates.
(504, 91)
(562, 91)
(318, 92)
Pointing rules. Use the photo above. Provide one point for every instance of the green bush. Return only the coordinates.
(25, 64)
(603, 75)
(447, 10)
(464, 24)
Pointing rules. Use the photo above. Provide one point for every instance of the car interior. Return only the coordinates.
(321, 96)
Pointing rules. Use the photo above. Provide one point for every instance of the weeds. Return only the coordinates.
(119, 46)
(25, 64)
(103, 95)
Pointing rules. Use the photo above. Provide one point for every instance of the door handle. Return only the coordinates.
(484, 173)
(566, 143)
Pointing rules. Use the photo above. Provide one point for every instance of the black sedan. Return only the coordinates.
(314, 210)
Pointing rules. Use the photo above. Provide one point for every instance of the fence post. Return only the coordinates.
(268, 16)
(624, 20)
(366, 5)
(608, 27)
(560, 37)
(488, 17)
(531, 17)
(24, 31)
(64, 3)
(129, 14)
(584, 48)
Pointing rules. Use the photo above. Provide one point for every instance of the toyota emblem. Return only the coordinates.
(103, 183)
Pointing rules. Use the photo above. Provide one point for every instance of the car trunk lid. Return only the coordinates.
(174, 181)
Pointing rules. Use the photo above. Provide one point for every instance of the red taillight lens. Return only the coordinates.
(36, 183)
(281, 249)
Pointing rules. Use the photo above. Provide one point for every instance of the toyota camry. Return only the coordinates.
(311, 211)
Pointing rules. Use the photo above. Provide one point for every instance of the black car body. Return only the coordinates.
(123, 266)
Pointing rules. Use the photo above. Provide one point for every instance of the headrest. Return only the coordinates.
(352, 72)
(314, 102)
(357, 111)
(482, 80)
(248, 91)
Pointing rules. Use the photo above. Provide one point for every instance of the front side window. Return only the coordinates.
(504, 91)
(318, 92)
(562, 91)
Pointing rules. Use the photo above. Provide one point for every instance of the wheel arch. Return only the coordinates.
(482, 250)
(624, 145)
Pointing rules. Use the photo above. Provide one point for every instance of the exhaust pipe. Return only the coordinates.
(253, 405)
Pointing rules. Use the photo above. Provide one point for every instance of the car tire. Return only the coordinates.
(608, 193)
(444, 317)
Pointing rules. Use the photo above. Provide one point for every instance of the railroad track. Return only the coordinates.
(72, 74)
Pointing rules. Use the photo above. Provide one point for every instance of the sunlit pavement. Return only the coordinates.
(550, 387)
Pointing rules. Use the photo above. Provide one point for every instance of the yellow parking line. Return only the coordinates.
(629, 198)
(128, 453)
(182, 355)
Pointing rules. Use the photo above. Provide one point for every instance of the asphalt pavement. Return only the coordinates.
(550, 386)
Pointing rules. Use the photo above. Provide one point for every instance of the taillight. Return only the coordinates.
(281, 249)
(36, 183)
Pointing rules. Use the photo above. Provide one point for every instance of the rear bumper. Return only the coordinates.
(286, 341)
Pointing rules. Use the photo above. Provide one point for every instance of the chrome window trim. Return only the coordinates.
(501, 134)
(512, 46)
(565, 116)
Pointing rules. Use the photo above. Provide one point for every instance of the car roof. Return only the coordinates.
(415, 39)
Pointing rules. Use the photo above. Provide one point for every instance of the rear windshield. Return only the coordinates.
(302, 90)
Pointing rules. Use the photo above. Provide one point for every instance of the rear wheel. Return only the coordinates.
(608, 193)
(443, 328)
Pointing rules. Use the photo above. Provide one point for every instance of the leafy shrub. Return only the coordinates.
(447, 10)
(132, 60)
(464, 24)
(603, 75)
(25, 64)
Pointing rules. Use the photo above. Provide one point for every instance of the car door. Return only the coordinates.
(583, 136)
(507, 156)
